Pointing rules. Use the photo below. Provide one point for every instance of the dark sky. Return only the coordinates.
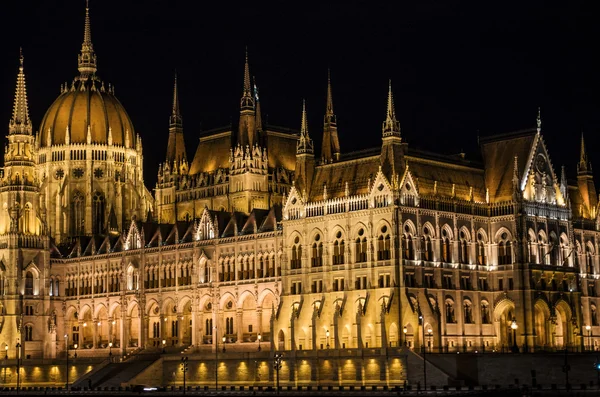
(458, 70)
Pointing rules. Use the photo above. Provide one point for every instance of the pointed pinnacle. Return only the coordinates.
(87, 34)
(20, 122)
(246, 75)
(329, 110)
(390, 105)
(582, 154)
(539, 119)
(304, 123)
(175, 97)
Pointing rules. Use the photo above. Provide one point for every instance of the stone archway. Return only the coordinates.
(542, 327)
(504, 313)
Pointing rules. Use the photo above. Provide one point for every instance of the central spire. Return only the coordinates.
(20, 122)
(330, 149)
(87, 58)
(176, 119)
(391, 126)
(247, 102)
(329, 116)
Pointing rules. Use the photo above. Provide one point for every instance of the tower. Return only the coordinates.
(176, 155)
(585, 181)
(330, 149)
(305, 157)
(247, 128)
(392, 151)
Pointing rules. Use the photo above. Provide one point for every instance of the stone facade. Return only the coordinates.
(258, 245)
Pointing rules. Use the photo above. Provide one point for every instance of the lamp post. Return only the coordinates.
(430, 335)
(327, 334)
(18, 366)
(5, 361)
(422, 320)
(404, 331)
(110, 351)
(184, 368)
(588, 328)
(259, 337)
(75, 346)
(224, 340)
(164, 343)
(514, 326)
(67, 348)
(277, 367)
(216, 340)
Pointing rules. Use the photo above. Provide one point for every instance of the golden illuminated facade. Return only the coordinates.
(258, 240)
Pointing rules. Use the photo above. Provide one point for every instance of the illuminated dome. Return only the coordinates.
(87, 103)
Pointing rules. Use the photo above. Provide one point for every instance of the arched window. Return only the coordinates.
(28, 283)
(504, 250)
(446, 247)
(485, 312)
(468, 311)
(463, 248)
(317, 252)
(481, 256)
(542, 243)
(2, 281)
(564, 250)
(589, 258)
(28, 333)
(531, 240)
(427, 246)
(78, 214)
(56, 290)
(132, 279)
(361, 247)
(27, 219)
(338, 249)
(383, 244)
(594, 314)
(98, 208)
(407, 247)
(450, 318)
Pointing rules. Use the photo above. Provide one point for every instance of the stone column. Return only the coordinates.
(179, 330)
(240, 329)
(195, 328)
(95, 332)
(144, 331)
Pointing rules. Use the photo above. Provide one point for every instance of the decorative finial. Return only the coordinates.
(539, 120)
(305, 144)
(87, 58)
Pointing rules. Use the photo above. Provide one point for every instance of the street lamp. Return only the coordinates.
(18, 366)
(164, 343)
(67, 347)
(405, 330)
(259, 337)
(514, 327)
(75, 346)
(5, 361)
(110, 350)
(588, 328)
(430, 334)
(327, 334)
(184, 368)
(6, 352)
(277, 366)
(216, 340)
(224, 340)
(422, 321)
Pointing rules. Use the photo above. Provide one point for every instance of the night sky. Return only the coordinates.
(458, 71)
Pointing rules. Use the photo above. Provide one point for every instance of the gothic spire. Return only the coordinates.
(584, 165)
(305, 144)
(247, 102)
(176, 119)
(539, 120)
(20, 122)
(329, 116)
(391, 126)
(258, 114)
(87, 58)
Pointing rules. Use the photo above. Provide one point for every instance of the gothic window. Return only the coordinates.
(407, 247)
(361, 247)
(542, 243)
(589, 258)
(229, 326)
(98, 173)
(504, 250)
(132, 279)
(28, 333)
(564, 250)
(296, 261)
(28, 283)
(317, 252)
(468, 309)
(446, 247)
(77, 214)
(463, 248)
(594, 314)
(427, 248)
(485, 312)
(27, 219)
(78, 173)
(450, 311)
(59, 174)
(383, 244)
(553, 254)
(99, 206)
(338, 249)
(481, 256)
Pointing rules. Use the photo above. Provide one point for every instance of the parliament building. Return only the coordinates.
(262, 241)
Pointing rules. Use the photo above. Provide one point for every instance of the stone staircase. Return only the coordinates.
(116, 374)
